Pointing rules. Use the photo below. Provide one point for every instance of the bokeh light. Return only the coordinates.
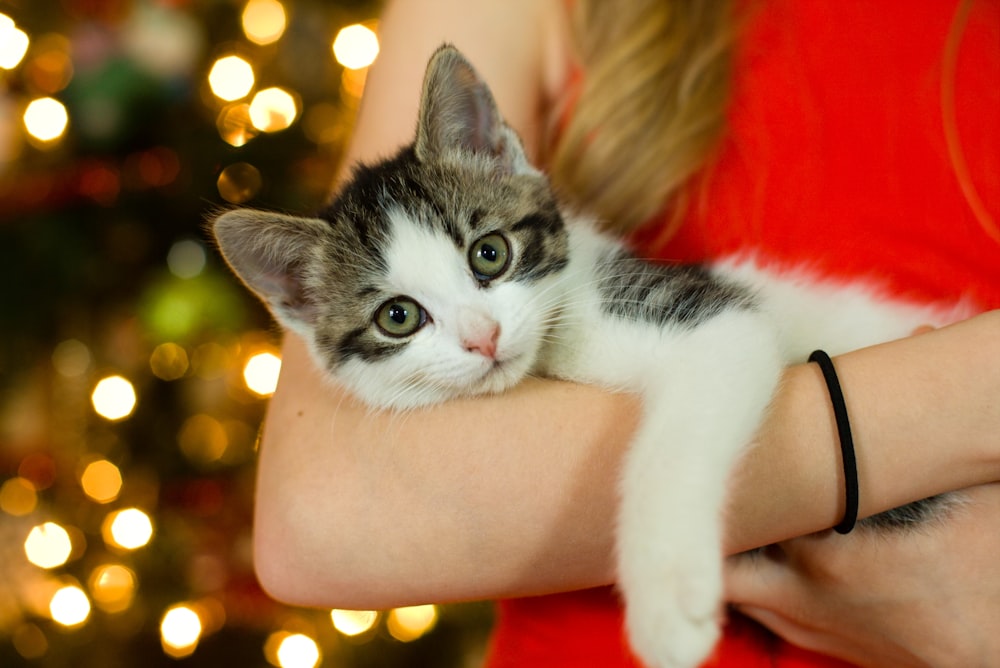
(69, 606)
(48, 545)
(264, 21)
(128, 529)
(234, 124)
(356, 46)
(113, 398)
(101, 481)
(186, 258)
(273, 109)
(203, 439)
(231, 78)
(50, 67)
(408, 624)
(18, 496)
(71, 358)
(353, 623)
(46, 119)
(298, 650)
(180, 630)
(29, 641)
(239, 182)
(169, 361)
(113, 587)
(13, 43)
(260, 373)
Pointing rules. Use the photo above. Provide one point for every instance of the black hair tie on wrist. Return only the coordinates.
(846, 441)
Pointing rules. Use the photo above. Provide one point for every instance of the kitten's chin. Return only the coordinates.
(502, 375)
(379, 393)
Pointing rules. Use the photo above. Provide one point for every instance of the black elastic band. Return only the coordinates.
(846, 441)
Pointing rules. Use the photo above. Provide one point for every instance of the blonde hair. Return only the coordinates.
(652, 106)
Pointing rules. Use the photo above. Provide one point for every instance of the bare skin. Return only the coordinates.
(515, 494)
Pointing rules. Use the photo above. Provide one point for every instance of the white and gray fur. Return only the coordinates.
(703, 346)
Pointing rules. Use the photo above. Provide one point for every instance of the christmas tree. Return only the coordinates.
(134, 370)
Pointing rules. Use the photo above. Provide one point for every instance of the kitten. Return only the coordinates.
(451, 270)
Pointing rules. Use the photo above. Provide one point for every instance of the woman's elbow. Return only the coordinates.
(278, 559)
(303, 562)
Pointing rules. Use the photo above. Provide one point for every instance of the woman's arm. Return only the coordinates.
(925, 414)
(516, 494)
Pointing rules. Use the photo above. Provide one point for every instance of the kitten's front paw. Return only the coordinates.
(677, 625)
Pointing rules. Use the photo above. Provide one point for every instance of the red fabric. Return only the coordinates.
(837, 156)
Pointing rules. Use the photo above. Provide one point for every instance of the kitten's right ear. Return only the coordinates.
(458, 113)
(271, 253)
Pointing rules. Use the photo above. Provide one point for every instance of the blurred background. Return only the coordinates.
(134, 370)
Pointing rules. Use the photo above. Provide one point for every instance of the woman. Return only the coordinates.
(793, 157)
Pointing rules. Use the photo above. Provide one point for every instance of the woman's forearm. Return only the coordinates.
(513, 494)
(925, 414)
(516, 494)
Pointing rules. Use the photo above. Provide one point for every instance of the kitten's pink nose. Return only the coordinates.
(485, 342)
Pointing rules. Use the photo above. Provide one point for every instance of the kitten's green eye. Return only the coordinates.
(400, 316)
(489, 257)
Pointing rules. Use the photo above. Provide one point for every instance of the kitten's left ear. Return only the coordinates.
(272, 253)
(458, 113)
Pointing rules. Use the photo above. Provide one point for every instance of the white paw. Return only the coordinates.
(673, 621)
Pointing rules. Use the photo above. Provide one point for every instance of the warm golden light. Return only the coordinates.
(13, 43)
(180, 630)
(355, 46)
(407, 624)
(261, 373)
(18, 497)
(264, 21)
(128, 529)
(238, 183)
(48, 545)
(113, 398)
(69, 606)
(101, 481)
(231, 78)
(50, 68)
(203, 439)
(113, 587)
(235, 126)
(352, 82)
(273, 109)
(169, 361)
(46, 119)
(29, 641)
(298, 651)
(353, 622)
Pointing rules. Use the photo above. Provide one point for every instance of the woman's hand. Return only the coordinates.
(929, 596)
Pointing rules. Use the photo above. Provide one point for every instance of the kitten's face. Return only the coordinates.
(444, 289)
(428, 276)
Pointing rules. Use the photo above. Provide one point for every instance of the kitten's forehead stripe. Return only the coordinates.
(540, 221)
(476, 219)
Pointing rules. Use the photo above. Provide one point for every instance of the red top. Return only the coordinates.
(838, 154)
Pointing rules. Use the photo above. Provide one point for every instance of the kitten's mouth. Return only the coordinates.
(502, 374)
